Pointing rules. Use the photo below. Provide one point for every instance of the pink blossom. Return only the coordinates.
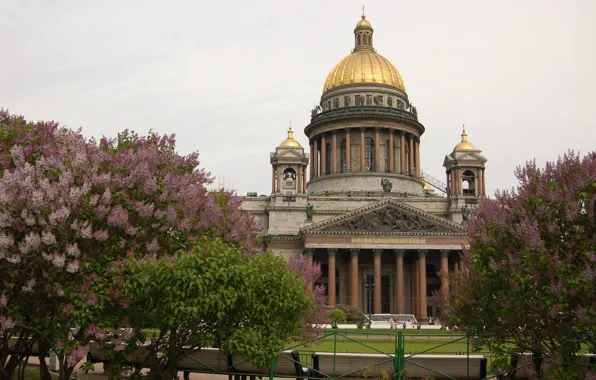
(60, 292)
(118, 217)
(58, 260)
(118, 345)
(68, 309)
(73, 250)
(29, 287)
(59, 344)
(6, 241)
(48, 238)
(31, 242)
(100, 235)
(91, 299)
(96, 332)
(59, 216)
(6, 323)
(3, 301)
(153, 246)
(73, 266)
(76, 355)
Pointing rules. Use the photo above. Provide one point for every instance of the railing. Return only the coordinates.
(355, 110)
(434, 182)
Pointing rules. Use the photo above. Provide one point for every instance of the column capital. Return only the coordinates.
(354, 252)
(309, 252)
(377, 252)
(347, 129)
(399, 253)
(377, 129)
(362, 129)
(422, 253)
(331, 252)
(334, 132)
(445, 253)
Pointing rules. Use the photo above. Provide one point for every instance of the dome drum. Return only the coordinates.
(358, 183)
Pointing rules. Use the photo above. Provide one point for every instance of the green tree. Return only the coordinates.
(529, 281)
(250, 305)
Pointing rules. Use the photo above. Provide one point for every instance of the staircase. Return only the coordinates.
(437, 184)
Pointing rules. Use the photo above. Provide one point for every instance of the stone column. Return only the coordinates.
(315, 159)
(348, 152)
(334, 152)
(361, 149)
(299, 181)
(483, 183)
(478, 181)
(323, 155)
(354, 302)
(402, 153)
(377, 280)
(273, 179)
(331, 252)
(312, 159)
(279, 179)
(399, 281)
(411, 156)
(309, 253)
(414, 288)
(304, 180)
(445, 271)
(455, 179)
(391, 149)
(377, 167)
(418, 169)
(422, 269)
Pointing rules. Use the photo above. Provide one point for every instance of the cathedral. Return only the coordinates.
(356, 200)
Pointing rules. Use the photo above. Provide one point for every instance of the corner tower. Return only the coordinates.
(364, 128)
(466, 181)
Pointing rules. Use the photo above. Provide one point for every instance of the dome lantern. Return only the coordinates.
(464, 145)
(290, 142)
(363, 35)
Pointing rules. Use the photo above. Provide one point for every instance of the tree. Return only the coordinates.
(70, 208)
(249, 305)
(529, 278)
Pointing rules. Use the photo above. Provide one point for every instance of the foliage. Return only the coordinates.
(250, 306)
(70, 208)
(338, 316)
(529, 283)
(353, 315)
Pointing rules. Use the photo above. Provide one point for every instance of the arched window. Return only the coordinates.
(289, 174)
(364, 40)
(358, 38)
(468, 183)
(387, 156)
(329, 158)
(369, 154)
(342, 155)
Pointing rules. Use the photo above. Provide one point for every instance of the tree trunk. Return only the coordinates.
(537, 359)
(44, 371)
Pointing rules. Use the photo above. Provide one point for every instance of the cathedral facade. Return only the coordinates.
(357, 202)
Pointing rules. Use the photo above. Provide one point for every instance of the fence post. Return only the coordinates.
(273, 368)
(334, 351)
(468, 353)
(399, 355)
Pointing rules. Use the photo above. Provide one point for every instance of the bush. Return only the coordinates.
(353, 315)
(337, 316)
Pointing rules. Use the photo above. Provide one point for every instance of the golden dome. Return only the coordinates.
(464, 144)
(363, 23)
(290, 142)
(364, 66)
(427, 187)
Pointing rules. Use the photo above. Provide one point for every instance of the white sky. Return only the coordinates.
(227, 76)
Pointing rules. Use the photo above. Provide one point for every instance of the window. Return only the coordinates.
(364, 39)
(389, 101)
(378, 100)
(468, 183)
(336, 103)
(368, 100)
(359, 100)
(358, 37)
(369, 154)
(387, 156)
(329, 158)
(342, 154)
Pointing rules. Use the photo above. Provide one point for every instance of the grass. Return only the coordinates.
(34, 375)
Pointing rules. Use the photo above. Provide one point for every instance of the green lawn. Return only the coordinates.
(34, 375)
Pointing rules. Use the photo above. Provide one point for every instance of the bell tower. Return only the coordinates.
(466, 182)
(288, 174)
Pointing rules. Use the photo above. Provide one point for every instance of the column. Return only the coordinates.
(315, 159)
(411, 155)
(361, 149)
(391, 153)
(279, 179)
(377, 280)
(334, 152)
(354, 301)
(348, 152)
(299, 181)
(309, 253)
(414, 288)
(445, 271)
(331, 252)
(377, 167)
(455, 179)
(273, 179)
(422, 273)
(303, 179)
(418, 169)
(402, 153)
(483, 183)
(323, 155)
(312, 159)
(399, 281)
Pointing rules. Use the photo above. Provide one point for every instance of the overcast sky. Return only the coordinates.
(228, 76)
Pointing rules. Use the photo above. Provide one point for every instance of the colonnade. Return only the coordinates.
(417, 278)
(318, 153)
(277, 178)
(455, 181)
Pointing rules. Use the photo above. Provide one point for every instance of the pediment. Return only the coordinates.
(289, 153)
(386, 217)
(469, 156)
